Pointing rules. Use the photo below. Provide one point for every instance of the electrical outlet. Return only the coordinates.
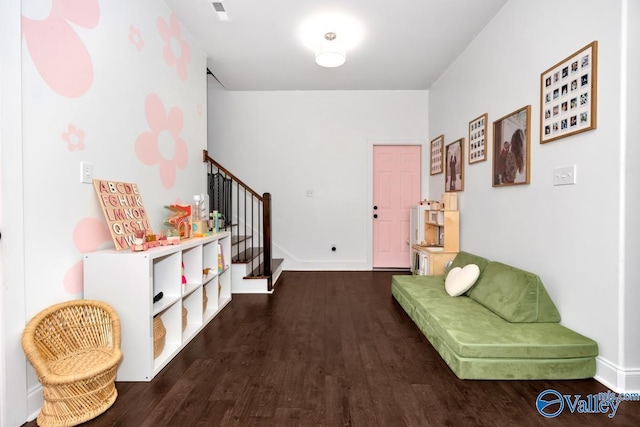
(309, 193)
(86, 172)
(564, 175)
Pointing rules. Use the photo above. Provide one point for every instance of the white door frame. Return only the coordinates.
(371, 142)
(13, 364)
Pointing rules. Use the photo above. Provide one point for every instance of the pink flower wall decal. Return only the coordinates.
(135, 37)
(74, 138)
(88, 234)
(162, 145)
(73, 279)
(176, 51)
(57, 51)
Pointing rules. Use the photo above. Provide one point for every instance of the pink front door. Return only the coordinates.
(396, 187)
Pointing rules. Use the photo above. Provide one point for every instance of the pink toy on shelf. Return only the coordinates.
(163, 239)
(139, 243)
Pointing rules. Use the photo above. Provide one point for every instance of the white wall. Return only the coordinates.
(96, 111)
(569, 235)
(287, 142)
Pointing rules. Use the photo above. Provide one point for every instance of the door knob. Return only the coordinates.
(375, 208)
(375, 215)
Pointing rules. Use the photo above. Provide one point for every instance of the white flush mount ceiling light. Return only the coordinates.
(330, 52)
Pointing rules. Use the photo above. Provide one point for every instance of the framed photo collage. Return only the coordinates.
(568, 100)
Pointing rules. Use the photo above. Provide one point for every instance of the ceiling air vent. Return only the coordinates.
(220, 11)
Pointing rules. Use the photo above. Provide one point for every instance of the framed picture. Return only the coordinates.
(477, 139)
(512, 148)
(568, 95)
(436, 155)
(454, 158)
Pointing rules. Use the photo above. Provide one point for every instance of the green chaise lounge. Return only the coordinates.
(505, 327)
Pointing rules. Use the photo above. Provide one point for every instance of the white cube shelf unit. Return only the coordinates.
(128, 281)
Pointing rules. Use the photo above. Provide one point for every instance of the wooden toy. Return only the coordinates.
(139, 243)
(180, 219)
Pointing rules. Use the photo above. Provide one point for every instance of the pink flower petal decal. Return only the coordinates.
(73, 281)
(84, 13)
(87, 237)
(162, 125)
(176, 51)
(180, 157)
(57, 51)
(74, 138)
(135, 37)
(147, 148)
(89, 234)
(167, 174)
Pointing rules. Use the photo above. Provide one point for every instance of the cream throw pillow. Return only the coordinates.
(460, 280)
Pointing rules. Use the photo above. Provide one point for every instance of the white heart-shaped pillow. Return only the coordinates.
(460, 280)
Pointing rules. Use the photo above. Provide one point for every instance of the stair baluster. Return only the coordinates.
(256, 227)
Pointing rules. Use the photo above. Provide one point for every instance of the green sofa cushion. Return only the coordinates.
(408, 288)
(464, 258)
(475, 346)
(473, 331)
(514, 294)
(420, 286)
(518, 369)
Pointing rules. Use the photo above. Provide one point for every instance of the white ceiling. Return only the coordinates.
(402, 44)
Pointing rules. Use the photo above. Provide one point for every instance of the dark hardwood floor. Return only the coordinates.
(331, 349)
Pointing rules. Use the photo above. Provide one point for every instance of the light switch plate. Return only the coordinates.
(86, 172)
(564, 175)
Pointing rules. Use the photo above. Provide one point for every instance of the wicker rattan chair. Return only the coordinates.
(75, 349)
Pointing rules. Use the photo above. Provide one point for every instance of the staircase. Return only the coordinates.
(247, 215)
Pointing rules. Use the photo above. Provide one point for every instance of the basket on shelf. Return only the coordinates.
(159, 335)
(184, 318)
(204, 298)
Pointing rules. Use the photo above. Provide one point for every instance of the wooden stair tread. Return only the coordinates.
(257, 272)
(235, 239)
(247, 255)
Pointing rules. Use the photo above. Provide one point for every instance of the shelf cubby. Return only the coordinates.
(129, 281)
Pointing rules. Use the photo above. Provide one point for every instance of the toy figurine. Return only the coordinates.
(173, 239)
(163, 239)
(152, 240)
(139, 243)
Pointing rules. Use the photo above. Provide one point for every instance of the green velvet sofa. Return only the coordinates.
(505, 327)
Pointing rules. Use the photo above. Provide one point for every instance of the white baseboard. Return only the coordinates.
(34, 402)
(616, 379)
(250, 286)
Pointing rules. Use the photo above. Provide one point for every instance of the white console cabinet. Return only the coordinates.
(128, 281)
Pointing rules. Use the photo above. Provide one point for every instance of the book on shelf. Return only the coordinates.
(220, 259)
